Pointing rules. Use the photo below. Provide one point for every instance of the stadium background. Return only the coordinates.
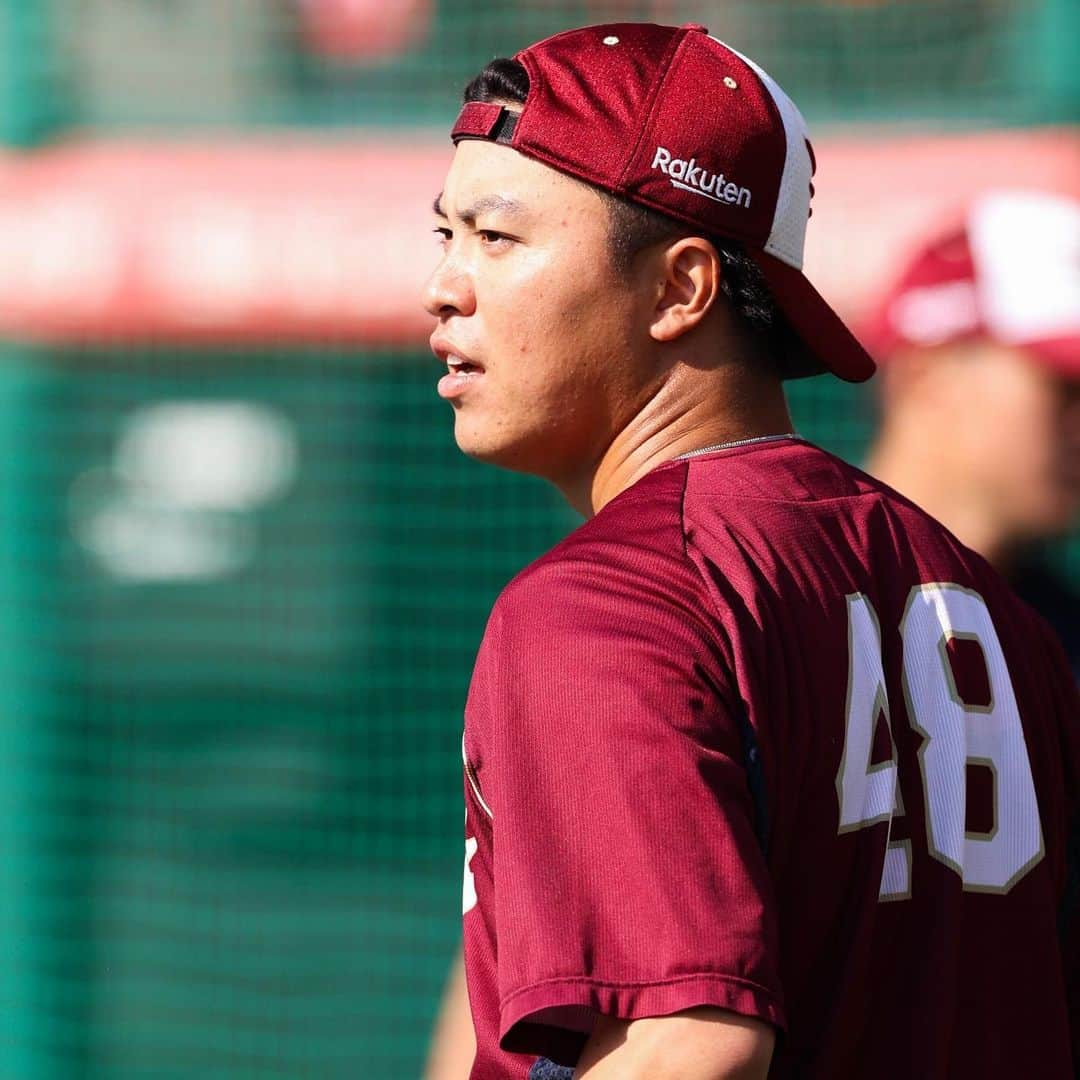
(243, 570)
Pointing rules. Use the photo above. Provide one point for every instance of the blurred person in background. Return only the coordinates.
(978, 338)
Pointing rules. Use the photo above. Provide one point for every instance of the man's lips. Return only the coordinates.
(458, 361)
(462, 370)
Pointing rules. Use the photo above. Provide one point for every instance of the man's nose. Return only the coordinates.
(449, 290)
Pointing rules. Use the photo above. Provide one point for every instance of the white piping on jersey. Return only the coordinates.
(738, 442)
(470, 775)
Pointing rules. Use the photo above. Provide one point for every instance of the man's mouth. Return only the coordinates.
(460, 366)
(449, 353)
(461, 373)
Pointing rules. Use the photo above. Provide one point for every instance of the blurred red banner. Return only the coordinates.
(253, 242)
(294, 240)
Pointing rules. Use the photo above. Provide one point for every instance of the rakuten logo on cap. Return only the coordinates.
(690, 176)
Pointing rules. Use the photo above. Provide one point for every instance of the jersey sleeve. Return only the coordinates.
(629, 880)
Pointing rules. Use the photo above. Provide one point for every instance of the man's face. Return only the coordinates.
(1019, 428)
(526, 295)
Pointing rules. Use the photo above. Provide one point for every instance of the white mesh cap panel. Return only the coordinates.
(788, 234)
(1026, 247)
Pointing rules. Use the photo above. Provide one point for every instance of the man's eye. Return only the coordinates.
(489, 236)
(443, 234)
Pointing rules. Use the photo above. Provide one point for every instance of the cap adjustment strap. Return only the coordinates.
(485, 120)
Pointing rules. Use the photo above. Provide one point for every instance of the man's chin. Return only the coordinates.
(504, 455)
(473, 444)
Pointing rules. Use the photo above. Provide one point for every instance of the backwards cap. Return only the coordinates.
(1010, 272)
(672, 119)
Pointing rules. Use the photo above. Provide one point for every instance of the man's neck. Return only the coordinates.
(687, 414)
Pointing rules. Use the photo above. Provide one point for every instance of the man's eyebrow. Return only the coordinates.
(486, 204)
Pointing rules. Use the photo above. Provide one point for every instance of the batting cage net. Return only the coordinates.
(243, 568)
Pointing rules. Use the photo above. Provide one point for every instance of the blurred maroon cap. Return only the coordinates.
(1010, 272)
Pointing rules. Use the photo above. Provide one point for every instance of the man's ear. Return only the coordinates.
(688, 284)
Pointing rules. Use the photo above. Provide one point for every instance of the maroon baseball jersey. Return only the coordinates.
(762, 735)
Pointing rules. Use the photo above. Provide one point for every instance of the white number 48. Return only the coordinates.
(955, 734)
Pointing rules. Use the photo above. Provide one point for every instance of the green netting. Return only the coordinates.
(232, 779)
(166, 63)
(231, 802)
(233, 773)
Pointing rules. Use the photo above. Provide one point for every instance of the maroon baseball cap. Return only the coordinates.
(1009, 271)
(675, 120)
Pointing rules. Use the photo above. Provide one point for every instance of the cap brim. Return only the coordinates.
(822, 331)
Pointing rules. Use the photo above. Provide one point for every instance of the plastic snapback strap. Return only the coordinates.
(485, 120)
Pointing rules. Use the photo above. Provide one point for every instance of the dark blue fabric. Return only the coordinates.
(755, 779)
(548, 1070)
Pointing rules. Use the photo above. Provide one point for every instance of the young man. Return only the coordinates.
(764, 770)
(979, 340)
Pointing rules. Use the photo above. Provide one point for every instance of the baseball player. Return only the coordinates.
(765, 772)
(978, 336)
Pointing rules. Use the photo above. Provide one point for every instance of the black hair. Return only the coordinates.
(632, 228)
